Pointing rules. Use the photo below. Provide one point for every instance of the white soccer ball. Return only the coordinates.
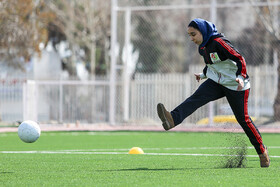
(29, 131)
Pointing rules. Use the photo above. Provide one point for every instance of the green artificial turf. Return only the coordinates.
(101, 159)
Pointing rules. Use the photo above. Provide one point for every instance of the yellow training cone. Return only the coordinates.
(136, 150)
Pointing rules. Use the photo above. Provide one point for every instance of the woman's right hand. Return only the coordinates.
(197, 76)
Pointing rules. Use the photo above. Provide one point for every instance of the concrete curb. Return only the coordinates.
(236, 129)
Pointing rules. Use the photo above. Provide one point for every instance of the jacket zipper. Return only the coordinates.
(219, 74)
(206, 56)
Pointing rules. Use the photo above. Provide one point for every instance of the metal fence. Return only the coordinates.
(66, 101)
(88, 102)
(172, 89)
(11, 102)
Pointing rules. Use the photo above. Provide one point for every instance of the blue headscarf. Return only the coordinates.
(207, 30)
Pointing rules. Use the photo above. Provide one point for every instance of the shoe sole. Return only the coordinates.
(161, 115)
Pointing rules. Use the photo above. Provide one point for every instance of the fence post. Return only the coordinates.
(30, 111)
(112, 102)
(256, 92)
(60, 102)
(24, 100)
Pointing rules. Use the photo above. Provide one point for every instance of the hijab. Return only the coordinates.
(206, 28)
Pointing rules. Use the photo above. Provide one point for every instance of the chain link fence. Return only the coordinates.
(155, 61)
(158, 32)
(155, 32)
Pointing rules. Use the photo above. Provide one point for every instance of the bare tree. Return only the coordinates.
(23, 26)
(86, 25)
(269, 16)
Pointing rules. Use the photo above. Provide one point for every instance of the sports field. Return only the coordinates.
(170, 159)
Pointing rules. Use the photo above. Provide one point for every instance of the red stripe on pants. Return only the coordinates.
(249, 122)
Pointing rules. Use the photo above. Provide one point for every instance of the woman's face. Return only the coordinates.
(195, 35)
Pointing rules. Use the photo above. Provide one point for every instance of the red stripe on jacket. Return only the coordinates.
(234, 53)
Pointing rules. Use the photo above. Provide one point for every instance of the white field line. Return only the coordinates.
(60, 152)
(178, 148)
(84, 133)
(117, 153)
(95, 133)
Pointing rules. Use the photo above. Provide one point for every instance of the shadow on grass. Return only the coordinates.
(148, 169)
(145, 169)
(161, 169)
(6, 172)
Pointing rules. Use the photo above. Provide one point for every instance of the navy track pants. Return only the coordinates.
(238, 101)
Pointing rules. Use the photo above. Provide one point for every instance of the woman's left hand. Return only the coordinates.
(240, 84)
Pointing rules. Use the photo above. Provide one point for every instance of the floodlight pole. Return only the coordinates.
(112, 93)
(213, 12)
(126, 76)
